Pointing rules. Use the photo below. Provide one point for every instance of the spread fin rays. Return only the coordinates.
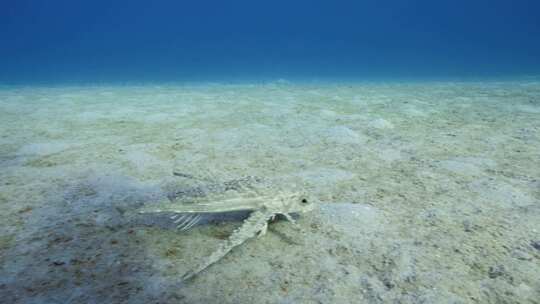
(186, 221)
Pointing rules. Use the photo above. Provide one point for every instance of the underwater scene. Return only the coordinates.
(270, 152)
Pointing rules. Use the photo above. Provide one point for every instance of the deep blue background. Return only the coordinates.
(100, 41)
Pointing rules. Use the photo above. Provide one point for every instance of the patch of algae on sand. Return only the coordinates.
(14, 223)
(52, 160)
(42, 162)
(5, 242)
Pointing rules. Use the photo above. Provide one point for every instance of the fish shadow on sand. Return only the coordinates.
(82, 246)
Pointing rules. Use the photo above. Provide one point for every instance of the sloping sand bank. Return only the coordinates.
(427, 192)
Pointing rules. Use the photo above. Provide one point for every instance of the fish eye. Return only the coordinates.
(304, 201)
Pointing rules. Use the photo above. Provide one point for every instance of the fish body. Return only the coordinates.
(263, 208)
(220, 206)
(291, 203)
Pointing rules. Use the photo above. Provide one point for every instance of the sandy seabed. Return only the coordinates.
(426, 192)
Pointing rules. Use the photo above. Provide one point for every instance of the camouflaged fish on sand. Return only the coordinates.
(200, 200)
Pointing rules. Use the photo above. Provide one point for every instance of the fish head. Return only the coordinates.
(296, 203)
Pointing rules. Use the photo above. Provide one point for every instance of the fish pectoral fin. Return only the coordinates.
(185, 221)
(255, 225)
(188, 275)
(263, 231)
(290, 218)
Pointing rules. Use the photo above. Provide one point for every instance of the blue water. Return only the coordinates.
(122, 41)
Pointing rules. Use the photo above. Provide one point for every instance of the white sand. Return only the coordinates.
(428, 192)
